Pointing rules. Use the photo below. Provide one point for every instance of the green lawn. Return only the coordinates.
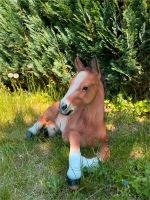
(36, 169)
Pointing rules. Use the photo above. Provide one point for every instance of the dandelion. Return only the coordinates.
(30, 65)
(16, 75)
(10, 75)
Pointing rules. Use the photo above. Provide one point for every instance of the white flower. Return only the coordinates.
(16, 75)
(30, 65)
(10, 75)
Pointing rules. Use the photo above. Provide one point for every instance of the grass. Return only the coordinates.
(36, 169)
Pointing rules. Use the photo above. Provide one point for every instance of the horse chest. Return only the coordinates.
(61, 122)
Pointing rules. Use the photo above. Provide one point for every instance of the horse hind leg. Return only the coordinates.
(51, 129)
(33, 130)
(46, 120)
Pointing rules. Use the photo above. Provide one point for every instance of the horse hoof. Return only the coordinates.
(73, 184)
(74, 187)
(28, 135)
(45, 131)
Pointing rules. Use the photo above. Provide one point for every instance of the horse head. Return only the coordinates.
(83, 87)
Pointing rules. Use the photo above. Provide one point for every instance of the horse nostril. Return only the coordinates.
(64, 107)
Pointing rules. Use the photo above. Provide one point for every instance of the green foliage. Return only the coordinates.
(54, 183)
(118, 103)
(141, 183)
(41, 38)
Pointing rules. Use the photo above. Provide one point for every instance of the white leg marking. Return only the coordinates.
(74, 171)
(35, 128)
(52, 130)
(77, 162)
(89, 162)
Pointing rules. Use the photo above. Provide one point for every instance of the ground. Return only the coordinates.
(36, 169)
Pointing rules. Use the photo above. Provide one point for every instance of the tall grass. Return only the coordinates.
(36, 169)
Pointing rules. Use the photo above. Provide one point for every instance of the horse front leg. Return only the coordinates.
(103, 152)
(74, 170)
(77, 161)
(46, 121)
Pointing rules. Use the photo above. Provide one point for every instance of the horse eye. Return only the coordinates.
(85, 88)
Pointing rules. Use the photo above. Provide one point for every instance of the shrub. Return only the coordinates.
(41, 38)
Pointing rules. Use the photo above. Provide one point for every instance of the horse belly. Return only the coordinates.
(61, 122)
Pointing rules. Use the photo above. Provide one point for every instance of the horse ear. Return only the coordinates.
(95, 66)
(78, 64)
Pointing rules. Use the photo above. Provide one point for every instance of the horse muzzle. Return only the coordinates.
(65, 109)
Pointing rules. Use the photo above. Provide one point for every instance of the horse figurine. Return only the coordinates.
(80, 118)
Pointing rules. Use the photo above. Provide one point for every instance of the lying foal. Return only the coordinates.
(79, 116)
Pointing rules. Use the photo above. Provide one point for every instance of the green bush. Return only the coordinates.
(40, 39)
